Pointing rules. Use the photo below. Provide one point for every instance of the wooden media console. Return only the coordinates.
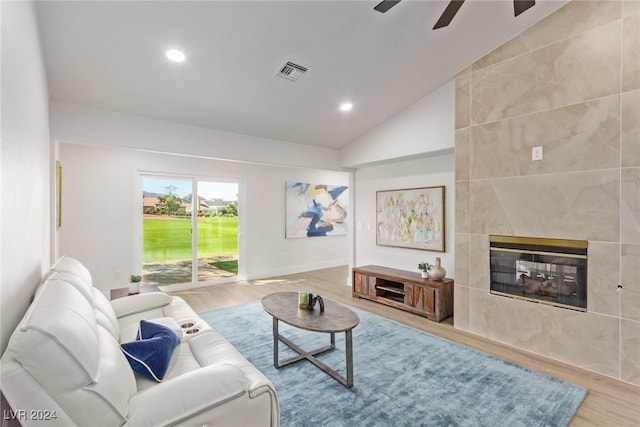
(406, 290)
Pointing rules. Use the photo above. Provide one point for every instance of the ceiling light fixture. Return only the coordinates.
(176, 55)
(347, 106)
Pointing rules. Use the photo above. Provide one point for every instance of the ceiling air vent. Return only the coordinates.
(291, 71)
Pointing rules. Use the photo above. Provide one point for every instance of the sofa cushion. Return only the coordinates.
(67, 264)
(57, 342)
(151, 352)
(105, 316)
(182, 361)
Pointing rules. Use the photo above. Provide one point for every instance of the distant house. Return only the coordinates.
(203, 206)
(153, 205)
(217, 205)
(150, 205)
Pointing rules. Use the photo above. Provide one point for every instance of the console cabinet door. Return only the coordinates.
(429, 298)
(357, 282)
(368, 285)
(413, 296)
(364, 285)
(420, 298)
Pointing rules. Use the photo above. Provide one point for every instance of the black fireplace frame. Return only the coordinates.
(545, 271)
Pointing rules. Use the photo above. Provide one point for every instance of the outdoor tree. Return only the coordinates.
(170, 189)
(169, 204)
(230, 210)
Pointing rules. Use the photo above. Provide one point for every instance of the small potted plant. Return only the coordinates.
(424, 268)
(134, 284)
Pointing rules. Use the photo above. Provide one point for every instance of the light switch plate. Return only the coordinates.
(536, 153)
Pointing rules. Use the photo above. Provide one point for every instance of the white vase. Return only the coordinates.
(437, 272)
(425, 274)
(134, 287)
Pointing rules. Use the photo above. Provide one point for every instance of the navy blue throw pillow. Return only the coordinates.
(150, 353)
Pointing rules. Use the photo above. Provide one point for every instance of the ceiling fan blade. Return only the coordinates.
(385, 5)
(520, 6)
(448, 14)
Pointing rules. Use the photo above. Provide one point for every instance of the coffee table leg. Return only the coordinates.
(347, 382)
(349, 345)
(275, 343)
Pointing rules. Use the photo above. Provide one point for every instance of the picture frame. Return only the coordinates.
(411, 218)
(315, 210)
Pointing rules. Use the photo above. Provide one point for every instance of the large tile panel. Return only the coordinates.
(630, 7)
(603, 278)
(574, 70)
(631, 53)
(462, 266)
(514, 47)
(630, 366)
(462, 154)
(479, 262)
(630, 206)
(504, 319)
(570, 136)
(572, 19)
(630, 275)
(463, 86)
(460, 307)
(488, 215)
(581, 205)
(630, 128)
(462, 207)
(586, 340)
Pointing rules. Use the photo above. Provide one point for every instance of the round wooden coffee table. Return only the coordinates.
(283, 306)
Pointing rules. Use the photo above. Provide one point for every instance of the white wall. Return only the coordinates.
(85, 125)
(412, 149)
(98, 211)
(422, 172)
(25, 163)
(424, 129)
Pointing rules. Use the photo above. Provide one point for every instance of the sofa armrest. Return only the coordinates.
(181, 398)
(139, 303)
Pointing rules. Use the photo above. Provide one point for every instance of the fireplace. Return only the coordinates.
(546, 271)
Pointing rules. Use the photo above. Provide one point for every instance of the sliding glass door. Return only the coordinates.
(190, 230)
(217, 224)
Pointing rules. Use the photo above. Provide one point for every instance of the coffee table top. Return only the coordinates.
(336, 317)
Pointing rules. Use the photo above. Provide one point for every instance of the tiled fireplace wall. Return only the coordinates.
(570, 84)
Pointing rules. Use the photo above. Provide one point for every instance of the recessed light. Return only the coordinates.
(346, 106)
(176, 55)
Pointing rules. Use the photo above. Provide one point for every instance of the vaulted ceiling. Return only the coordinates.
(111, 55)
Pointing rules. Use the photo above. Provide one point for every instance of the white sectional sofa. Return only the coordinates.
(64, 366)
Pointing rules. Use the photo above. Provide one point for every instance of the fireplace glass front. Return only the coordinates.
(547, 271)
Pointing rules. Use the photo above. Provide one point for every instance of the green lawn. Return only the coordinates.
(170, 238)
(231, 266)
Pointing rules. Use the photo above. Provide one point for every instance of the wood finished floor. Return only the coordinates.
(609, 402)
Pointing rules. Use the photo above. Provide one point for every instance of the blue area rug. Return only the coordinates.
(402, 377)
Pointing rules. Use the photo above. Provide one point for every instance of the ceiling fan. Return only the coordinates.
(452, 8)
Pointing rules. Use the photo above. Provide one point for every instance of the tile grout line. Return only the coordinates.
(620, 203)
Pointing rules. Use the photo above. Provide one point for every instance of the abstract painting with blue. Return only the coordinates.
(315, 210)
